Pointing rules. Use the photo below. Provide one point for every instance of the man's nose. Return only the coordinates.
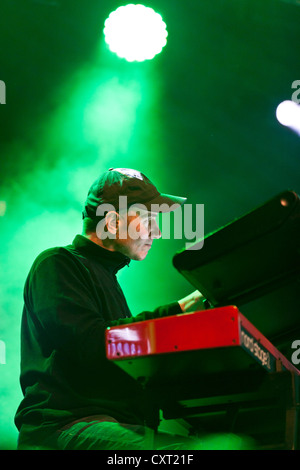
(154, 230)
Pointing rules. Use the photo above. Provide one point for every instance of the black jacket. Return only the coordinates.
(71, 296)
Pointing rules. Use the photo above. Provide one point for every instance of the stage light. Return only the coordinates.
(288, 114)
(135, 32)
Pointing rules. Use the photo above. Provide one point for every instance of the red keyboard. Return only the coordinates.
(217, 339)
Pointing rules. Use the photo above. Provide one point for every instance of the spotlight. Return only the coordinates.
(288, 114)
(135, 32)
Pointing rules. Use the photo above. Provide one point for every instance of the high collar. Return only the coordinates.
(111, 260)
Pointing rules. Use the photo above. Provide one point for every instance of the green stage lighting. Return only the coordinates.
(135, 32)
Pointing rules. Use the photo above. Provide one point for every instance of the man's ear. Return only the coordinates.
(112, 220)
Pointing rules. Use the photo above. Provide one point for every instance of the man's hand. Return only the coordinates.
(192, 302)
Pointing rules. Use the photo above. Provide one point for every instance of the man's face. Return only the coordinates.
(136, 232)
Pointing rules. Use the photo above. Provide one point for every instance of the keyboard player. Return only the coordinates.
(73, 397)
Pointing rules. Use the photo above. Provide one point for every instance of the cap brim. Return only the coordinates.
(165, 203)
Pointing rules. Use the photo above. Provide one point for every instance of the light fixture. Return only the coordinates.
(288, 114)
(135, 32)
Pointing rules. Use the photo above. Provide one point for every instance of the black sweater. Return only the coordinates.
(71, 296)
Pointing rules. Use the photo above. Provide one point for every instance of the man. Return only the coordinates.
(74, 398)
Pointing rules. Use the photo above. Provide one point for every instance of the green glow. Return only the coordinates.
(135, 32)
(105, 116)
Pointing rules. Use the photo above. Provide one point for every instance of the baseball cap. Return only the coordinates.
(133, 184)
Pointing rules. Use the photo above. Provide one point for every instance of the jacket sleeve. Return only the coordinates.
(163, 311)
(62, 314)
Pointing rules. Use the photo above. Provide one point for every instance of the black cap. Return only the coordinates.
(135, 185)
